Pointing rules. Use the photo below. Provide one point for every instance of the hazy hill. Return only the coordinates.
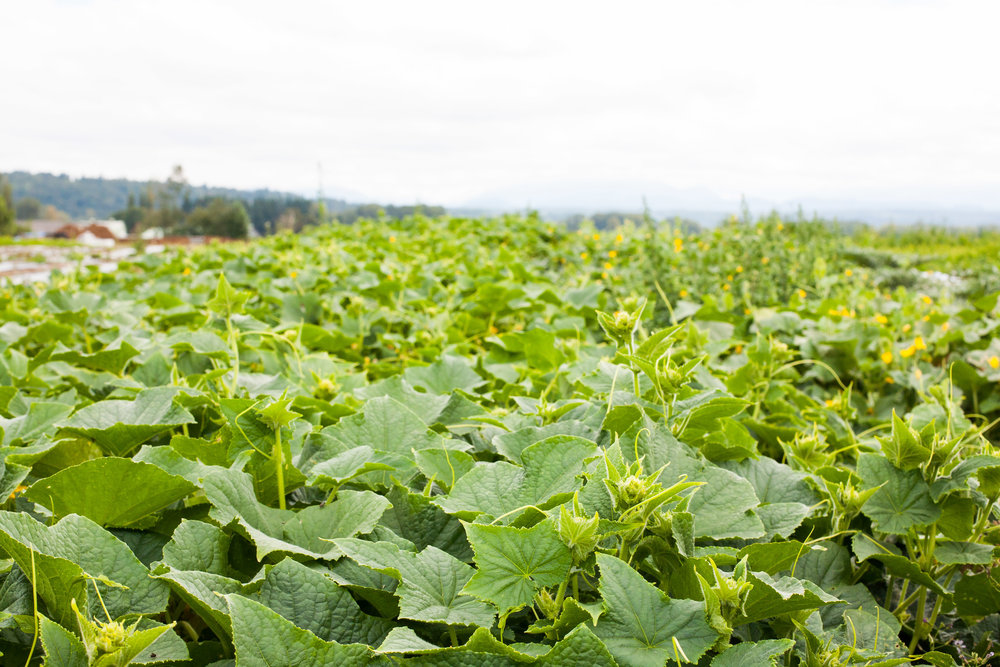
(100, 197)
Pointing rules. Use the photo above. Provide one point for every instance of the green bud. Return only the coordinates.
(111, 636)
(546, 604)
(579, 533)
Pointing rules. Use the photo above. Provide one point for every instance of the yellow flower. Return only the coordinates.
(294, 275)
(612, 254)
(848, 273)
(881, 319)
(21, 488)
(830, 402)
(729, 277)
(619, 238)
(607, 266)
(765, 260)
(739, 269)
(887, 357)
(584, 255)
(926, 299)
(945, 326)
(738, 349)
(678, 244)
(994, 362)
(187, 270)
(725, 287)
(392, 239)
(801, 293)
(604, 274)
(779, 226)
(908, 352)
(918, 343)
(926, 318)
(596, 237)
(889, 380)
(906, 327)
(684, 293)
(746, 311)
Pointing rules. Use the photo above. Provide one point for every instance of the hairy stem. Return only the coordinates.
(279, 467)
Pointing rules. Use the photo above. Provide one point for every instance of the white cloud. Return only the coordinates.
(442, 101)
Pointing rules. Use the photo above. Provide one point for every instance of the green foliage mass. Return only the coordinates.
(219, 218)
(497, 442)
(8, 213)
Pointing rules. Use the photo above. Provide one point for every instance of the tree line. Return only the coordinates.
(177, 207)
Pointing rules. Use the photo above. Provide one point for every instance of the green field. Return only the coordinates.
(504, 442)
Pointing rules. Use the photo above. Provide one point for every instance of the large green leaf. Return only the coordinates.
(444, 466)
(774, 482)
(345, 466)
(958, 478)
(313, 601)
(402, 639)
(414, 517)
(385, 425)
(771, 597)
(62, 647)
(538, 346)
(723, 507)
(109, 491)
(640, 623)
(977, 595)
(200, 341)
(866, 548)
(110, 359)
(119, 426)
(68, 555)
(550, 471)
(964, 553)
(431, 582)
(514, 563)
(758, 654)
(263, 638)
(204, 592)
(428, 406)
(444, 375)
(512, 444)
(307, 532)
(903, 503)
(579, 647)
(40, 418)
(199, 546)
(877, 633)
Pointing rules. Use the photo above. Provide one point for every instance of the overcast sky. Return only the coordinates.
(443, 102)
